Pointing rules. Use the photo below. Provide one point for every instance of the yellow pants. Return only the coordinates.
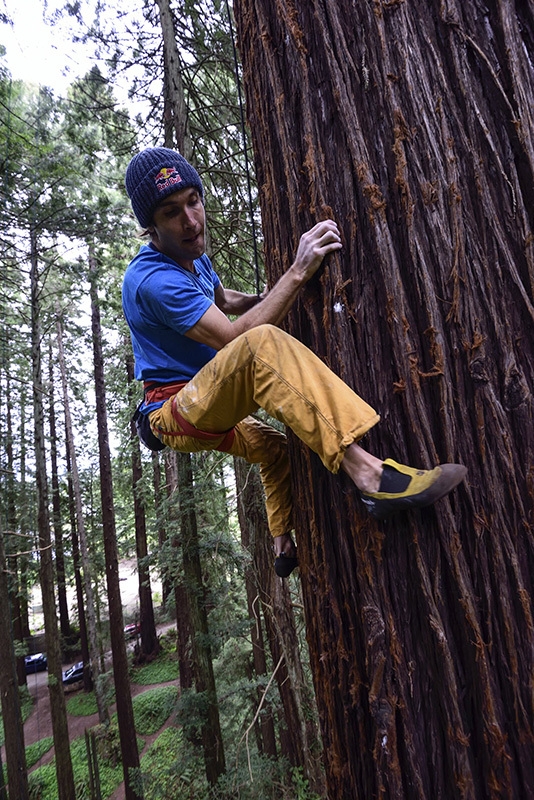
(266, 368)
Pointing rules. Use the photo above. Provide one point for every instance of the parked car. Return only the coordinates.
(35, 663)
(73, 674)
(132, 630)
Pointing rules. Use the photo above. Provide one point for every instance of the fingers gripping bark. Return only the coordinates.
(314, 245)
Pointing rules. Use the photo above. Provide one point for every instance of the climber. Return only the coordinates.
(205, 375)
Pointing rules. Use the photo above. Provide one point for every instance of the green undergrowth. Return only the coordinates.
(153, 708)
(43, 783)
(166, 773)
(173, 768)
(151, 711)
(34, 753)
(163, 670)
(82, 705)
(26, 705)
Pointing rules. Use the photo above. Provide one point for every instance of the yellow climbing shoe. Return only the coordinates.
(403, 487)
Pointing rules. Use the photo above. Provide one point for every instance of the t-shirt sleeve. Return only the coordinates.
(175, 303)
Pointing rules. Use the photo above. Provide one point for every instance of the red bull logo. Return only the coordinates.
(167, 176)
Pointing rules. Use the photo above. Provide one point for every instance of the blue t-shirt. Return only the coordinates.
(161, 302)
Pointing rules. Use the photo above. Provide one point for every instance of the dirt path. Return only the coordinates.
(39, 724)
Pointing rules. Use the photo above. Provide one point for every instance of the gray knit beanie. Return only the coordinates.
(154, 174)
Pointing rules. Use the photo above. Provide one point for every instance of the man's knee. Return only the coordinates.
(265, 333)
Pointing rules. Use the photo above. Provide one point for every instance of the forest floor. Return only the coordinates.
(39, 724)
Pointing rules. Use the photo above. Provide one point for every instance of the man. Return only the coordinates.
(204, 375)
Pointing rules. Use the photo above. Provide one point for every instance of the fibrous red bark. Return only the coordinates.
(412, 125)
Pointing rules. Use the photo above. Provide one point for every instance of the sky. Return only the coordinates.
(37, 52)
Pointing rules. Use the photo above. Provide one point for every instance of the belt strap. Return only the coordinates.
(190, 430)
(154, 392)
(186, 428)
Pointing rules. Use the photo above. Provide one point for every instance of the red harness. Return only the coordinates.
(156, 392)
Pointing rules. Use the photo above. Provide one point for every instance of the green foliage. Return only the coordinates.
(153, 708)
(82, 704)
(43, 783)
(191, 713)
(26, 708)
(272, 780)
(162, 670)
(302, 786)
(171, 769)
(34, 753)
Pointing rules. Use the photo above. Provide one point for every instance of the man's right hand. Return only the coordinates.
(314, 245)
(215, 329)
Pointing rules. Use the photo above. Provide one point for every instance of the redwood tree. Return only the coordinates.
(125, 717)
(412, 125)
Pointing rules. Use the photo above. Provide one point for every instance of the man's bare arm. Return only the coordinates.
(216, 330)
(235, 303)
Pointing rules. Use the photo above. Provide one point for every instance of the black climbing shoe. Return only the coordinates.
(403, 487)
(284, 565)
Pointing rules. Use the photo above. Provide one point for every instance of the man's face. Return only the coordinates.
(178, 227)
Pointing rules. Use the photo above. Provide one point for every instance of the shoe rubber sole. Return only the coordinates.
(448, 476)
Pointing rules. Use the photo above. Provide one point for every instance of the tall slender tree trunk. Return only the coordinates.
(17, 543)
(202, 659)
(299, 736)
(77, 567)
(64, 772)
(91, 671)
(247, 507)
(160, 505)
(175, 122)
(17, 774)
(149, 639)
(183, 617)
(23, 526)
(412, 125)
(64, 623)
(127, 735)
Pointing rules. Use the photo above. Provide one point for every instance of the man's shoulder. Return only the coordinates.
(203, 264)
(147, 266)
(145, 259)
(205, 267)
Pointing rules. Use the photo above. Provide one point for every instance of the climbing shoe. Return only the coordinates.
(403, 487)
(284, 565)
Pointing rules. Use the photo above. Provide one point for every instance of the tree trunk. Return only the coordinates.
(64, 623)
(161, 526)
(125, 717)
(17, 774)
(58, 709)
(91, 671)
(18, 543)
(77, 567)
(299, 736)
(149, 639)
(183, 617)
(24, 504)
(247, 505)
(202, 660)
(175, 122)
(412, 125)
